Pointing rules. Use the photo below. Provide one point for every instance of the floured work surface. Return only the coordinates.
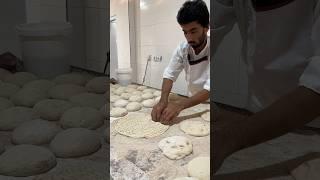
(141, 158)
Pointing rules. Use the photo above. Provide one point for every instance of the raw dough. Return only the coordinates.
(88, 99)
(130, 90)
(12, 117)
(7, 89)
(206, 116)
(141, 88)
(4, 73)
(28, 97)
(35, 132)
(114, 98)
(199, 167)
(133, 106)
(84, 117)
(119, 91)
(135, 98)
(75, 142)
(139, 125)
(71, 78)
(134, 86)
(5, 103)
(26, 160)
(148, 91)
(195, 127)
(156, 93)
(42, 84)
(65, 91)
(52, 109)
(147, 95)
(20, 78)
(175, 147)
(149, 103)
(125, 96)
(97, 85)
(118, 112)
(137, 93)
(120, 103)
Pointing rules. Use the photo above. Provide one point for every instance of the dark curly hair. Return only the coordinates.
(194, 10)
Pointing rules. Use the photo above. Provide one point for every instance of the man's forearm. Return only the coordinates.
(166, 89)
(198, 98)
(288, 113)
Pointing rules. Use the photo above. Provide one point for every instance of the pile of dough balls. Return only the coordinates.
(62, 113)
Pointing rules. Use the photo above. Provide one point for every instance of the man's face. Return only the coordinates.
(194, 33)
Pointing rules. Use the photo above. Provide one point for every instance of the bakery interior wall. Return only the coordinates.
(88, 17)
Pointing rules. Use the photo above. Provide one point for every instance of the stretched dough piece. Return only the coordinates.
(175, 147)
(206, 116)
(139, 125)
(195, 127)
(199, 167)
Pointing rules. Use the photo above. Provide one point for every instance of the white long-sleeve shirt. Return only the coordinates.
(281, 47)
(196, 67)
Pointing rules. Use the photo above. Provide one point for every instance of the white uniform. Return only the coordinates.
(196, 67)
(281, 47)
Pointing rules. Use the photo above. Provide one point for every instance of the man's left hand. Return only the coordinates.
(171, 112)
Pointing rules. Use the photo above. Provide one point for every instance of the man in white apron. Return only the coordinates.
(193, 57)
(281, 50)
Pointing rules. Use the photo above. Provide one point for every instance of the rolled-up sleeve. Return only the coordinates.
(175, 66)
(311, 75)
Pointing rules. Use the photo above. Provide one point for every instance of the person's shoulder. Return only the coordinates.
(183, 46)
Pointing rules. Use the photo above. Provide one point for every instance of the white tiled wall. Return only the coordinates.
(159, 35)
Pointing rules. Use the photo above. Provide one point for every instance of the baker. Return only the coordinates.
(192, 56)
(281, 51)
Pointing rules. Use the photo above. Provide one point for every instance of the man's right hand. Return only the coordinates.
(157, 110)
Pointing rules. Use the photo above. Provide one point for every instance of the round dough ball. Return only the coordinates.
(7, 90)
(149, 103)
(118, 112)
(199, 167)
(28, 97)
(4, 73)
(125, 96)
(133, 106)
(51, 109)
(120, 103)
(41, 84)
(156, 93)
(157, 99)
(175, 147)
(65, 91)
(147, 96)
(148, 91)
(141, 88)
(75, 142)
(195, 127)
(135, 98)
(88, 99)
(97, 85)
(26, 160)
(130, 90)
(82, 117)
(5, 103)
(20, 78)
(134, 86)
(139, 93)
(119, 91)
(35, 132)
(114, 98)
(12, 117)
(206, 116)
(71, 78)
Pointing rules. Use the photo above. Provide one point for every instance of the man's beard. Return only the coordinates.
(202, 40)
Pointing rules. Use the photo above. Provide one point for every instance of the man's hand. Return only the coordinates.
(170, 112)
(157, 110)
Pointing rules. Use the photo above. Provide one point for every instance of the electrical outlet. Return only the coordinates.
(157, 58)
